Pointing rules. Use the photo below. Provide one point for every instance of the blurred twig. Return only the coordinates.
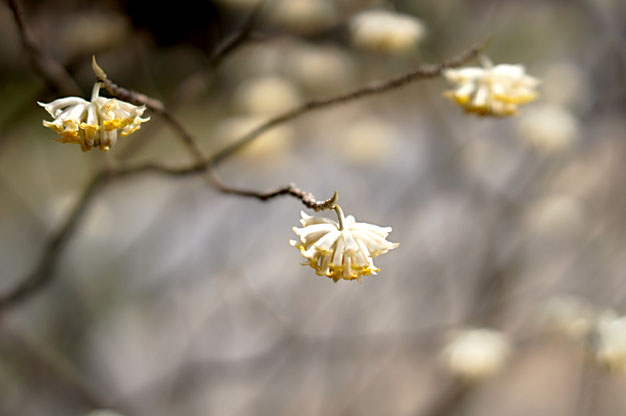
(55, 76)
(43, 273)
(57, 368)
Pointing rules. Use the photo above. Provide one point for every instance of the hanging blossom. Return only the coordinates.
(491, 90)
(341, 250)
(93, 123)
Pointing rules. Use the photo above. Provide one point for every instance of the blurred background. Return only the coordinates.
(174, 299)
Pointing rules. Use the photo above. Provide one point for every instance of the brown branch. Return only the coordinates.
(44, 272)
(55, 76)
(422, 72)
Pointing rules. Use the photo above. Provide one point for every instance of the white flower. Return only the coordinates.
(492, 90)
(475, 354)
(93, 123)
(607, 342)
(386, 31)
(341, 253)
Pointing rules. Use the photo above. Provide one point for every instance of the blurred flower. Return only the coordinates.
(492, 90)
(548, 128)
(303, 16)
(367, 140)
(475, 354)
(555, 216)
(320, 68)
(607, 342)
(268, 96)
(269, 144)
(341, 253)
(386, 31)
(93, 123)
(567, 315)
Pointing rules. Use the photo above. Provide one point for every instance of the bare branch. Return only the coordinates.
(55, 76)
(422, 72)
(44, 272)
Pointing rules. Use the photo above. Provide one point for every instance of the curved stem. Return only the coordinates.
(95, 92)
(340, 216)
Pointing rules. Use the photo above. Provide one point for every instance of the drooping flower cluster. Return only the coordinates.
(341, 250)
(492, 90)
(93, 123)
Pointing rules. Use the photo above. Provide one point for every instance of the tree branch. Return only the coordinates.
(44, 272)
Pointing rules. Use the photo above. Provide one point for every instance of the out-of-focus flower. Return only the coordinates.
(320, 68)
(386, 31)
(548, 128)
(303, 16)
(93, 123)
(492, 90)
(607, 342)
(475, 354)
(367, 140)
(568, 315)
(341, 253)
(555, 216)
(270, 144)
(268, 96)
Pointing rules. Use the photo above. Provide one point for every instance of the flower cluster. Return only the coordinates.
(93, 123)
(492, 90)
(341, 250)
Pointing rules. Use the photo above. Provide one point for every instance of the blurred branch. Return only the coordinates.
(57, 369)
(231, 43)
(44, 272)
(422, 72)
(55, 76)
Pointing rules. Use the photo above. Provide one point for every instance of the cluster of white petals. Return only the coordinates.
(93, 123)
(491, 90)
(386, 31)
(475, 354)
(607, 341)
(341, 253)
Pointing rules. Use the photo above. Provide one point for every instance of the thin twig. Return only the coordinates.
(55, 76)
(422, 72)
(232, 43)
